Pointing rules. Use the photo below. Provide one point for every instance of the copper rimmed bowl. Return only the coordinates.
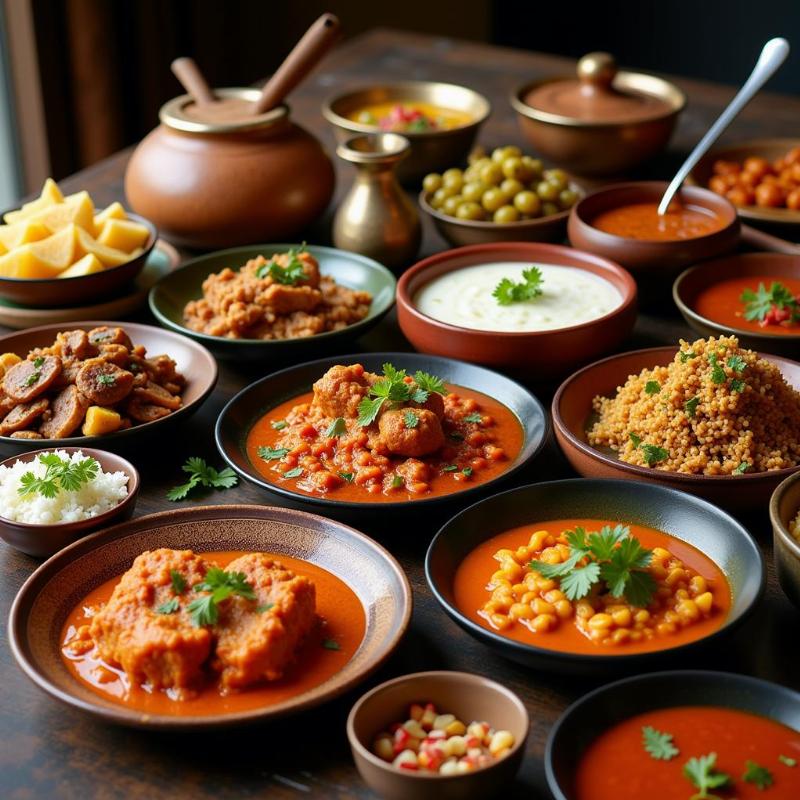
(547, 352)
(572, 417)
(42, 605)
(784, 506)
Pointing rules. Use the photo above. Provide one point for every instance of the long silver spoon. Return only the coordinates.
(772, 56)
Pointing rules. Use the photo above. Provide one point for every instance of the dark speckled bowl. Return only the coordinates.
(600, 710)
(683, 516)
(783, 508)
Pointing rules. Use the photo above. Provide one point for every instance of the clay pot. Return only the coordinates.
(226, 183)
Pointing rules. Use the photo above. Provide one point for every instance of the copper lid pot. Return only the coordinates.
(604, 122)
(226, 182)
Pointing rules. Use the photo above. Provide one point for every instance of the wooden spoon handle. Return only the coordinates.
(304, 57)
(188, 73)
(766, 241)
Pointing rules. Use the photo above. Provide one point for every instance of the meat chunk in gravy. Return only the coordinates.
(76, 344)
(105, 335)
(164, 650)
(339, 391)
(104, 383)
(65, 415)
(253, 644)
(30, 378)
(411, 432)
(22, 416)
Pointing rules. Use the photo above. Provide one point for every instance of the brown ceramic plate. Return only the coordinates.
(194, 361)
(784, 506)
(572, 409)
(46, 598)
(47, 292)
(539, 352)
(771, 149)
(757, 266)
(470, 698)
(42, 541)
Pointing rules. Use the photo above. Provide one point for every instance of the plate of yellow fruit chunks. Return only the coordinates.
(59, 250)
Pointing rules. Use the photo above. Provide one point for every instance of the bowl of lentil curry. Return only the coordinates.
(437, 429)
(708, 417)
(516, 571)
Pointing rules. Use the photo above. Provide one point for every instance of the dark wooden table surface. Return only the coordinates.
(50, 751)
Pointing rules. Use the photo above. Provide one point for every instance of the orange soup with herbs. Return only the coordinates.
(410, 117)
(642, 221)
(692, 752)
(363, 437)
(188, 634)
(592, 587)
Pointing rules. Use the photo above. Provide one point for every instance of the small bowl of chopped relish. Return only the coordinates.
(50, 498)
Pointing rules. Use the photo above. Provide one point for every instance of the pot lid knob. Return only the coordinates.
(596, 71)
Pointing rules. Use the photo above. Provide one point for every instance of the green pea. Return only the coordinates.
(431, 182)
(451, 204)
(492, 174)
(470, 211)
(511, 187)
(492, 199)
(506, 214)
(528, 203)
(473, 191)
(546, 190)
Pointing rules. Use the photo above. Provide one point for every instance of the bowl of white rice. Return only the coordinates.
(50, 498)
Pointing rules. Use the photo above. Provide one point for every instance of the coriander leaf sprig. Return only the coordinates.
(221, 585)
(658, 744)
(776, 304)
(291, 274)
(200, 474)
(393, 388)
(507, 291)
(702, 773)
(60, 474)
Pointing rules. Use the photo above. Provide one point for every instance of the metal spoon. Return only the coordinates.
(772, 56)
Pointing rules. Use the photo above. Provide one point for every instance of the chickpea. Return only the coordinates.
(726, 167)
(467, 210)
(534, 165)
(769, 195)
(432, 182)
(500, 154)
(547, 190)
(740, 195)
(528, 202)
(557, 177)
(506, 214)
(515, 168)
(567, 198)
(440, 195)
(548, 209)
(453, 177)
(451, 204)
(473, 191)
(793, 200)
(756, 165)
(492, 174)
(492, 199)
(511, 187)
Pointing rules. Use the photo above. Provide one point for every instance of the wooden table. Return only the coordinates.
(48, 750)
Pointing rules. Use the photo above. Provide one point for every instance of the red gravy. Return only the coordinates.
(642, 221)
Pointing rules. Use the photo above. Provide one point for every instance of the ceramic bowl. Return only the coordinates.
(46, 598)
(609, 705)
(683, 516)
(431, 151)
(540, 353)
(772, 150)
(462, 232)
(42, 541)
(59, 292)
(194, 361)
(171, 294)
(651, 260)
(784, 506)
(572, 411)
(470, 698)
(759, 267)
(240, 414)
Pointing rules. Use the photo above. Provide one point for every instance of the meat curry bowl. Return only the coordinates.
(209, 617)
(377, 431)
(274, 302)
(595, 575)
(97, 383)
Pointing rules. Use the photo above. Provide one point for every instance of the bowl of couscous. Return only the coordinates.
(784, 512)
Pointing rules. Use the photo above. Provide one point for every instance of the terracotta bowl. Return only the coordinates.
(651, 260)
(772, 150)
(194, 361)
(539, 352)
(462, 232)
(47, 597)
(783, 509)
(572, 410)
(609, 705)
(705, 527)
(470, 698)
(431, 151)
(42, 541)
(61, 292)
(759, 267)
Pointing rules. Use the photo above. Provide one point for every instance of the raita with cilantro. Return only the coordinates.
(517, 297)
(396, 435)
(589, 586)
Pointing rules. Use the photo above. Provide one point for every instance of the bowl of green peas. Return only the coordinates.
(502, 196)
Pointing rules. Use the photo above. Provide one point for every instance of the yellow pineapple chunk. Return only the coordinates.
(24, 263)
(85, 266)
(123, 235)
(60, 250)
(12, 236)
(110, 256)
(100, 420)
(50, 196)
(77, 209)
(114, 211)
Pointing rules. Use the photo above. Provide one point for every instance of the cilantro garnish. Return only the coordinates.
(106, 380)
(658, 744)
(759, 304)
(635, 439)
(787, 761)
(737, 385)
(690, 406)
(331, 644)
(717, 372)
(429, 383)
(272, 453)
(410, 419)
(397, 482)
(337, 428)
(702, 774)
(507, 291)
(686, 355)
(291, 274)
(293, 473)
(200, 474)
(466, 472)
(170, 607)
(178, 581)
(737, 364)
(652, 387)
(654, 454)
(450, 468)
(394, 388)
(265, 607)
(59, 474)
(474, 417)
(279, 424)
(346, 476)
(32, 379)
(760, 776)
(221, 585)
(742, 468)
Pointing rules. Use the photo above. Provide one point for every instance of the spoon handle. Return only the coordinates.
(188, 73)
(772, 56)
(303, 58)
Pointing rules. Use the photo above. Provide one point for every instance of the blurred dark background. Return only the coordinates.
(105, 65)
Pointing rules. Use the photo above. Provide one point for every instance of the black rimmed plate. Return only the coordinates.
(690, 519)
(241, 413)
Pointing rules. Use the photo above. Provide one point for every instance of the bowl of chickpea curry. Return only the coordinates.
(588, 574)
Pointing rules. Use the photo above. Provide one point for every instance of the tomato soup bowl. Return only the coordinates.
(572, 417)
(546, 352)
(595, 713)
(43, 604)
(470, 698)
(651, 260)
(686, 518)
(783, 508)
(753, 268)
(242, 412)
